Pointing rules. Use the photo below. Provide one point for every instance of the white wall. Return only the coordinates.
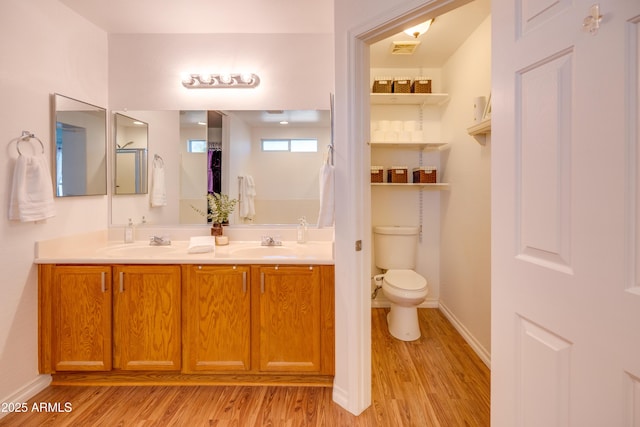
(295, 71)
(402, 206)
(286, 183)
(465, 290)
(46, 48)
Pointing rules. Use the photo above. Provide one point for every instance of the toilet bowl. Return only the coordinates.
(405, 290)
(395, 250)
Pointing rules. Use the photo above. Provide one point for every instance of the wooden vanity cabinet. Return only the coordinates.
(146, 317)
(254, 323)
(293, 316)
(75, 318)
(217, 318)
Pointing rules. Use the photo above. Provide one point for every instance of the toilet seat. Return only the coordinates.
(405, 280)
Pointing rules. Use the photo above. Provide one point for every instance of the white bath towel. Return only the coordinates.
(326, 214)
(247, 197)
(201, 244)
(32, 190)
(159, 190)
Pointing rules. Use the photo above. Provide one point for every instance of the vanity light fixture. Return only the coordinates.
(419, 29)
(221, 81)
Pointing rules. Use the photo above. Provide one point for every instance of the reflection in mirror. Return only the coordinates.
(131, 142)
(278, 152)
(80, 158)
(286, 182)
(194, 166)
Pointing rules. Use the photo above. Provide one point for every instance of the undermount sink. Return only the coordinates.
(265, 252)
(136, 250)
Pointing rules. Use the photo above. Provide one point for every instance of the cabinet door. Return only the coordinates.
(288, 313)
(81, 318)
(216, 307)
(146, 310)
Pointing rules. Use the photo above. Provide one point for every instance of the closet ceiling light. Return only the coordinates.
(221, 81)
(419, 29)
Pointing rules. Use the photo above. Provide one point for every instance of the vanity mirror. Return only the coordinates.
(80, 155)
(131, 142)
(206, 151)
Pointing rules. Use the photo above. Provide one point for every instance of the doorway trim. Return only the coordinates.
(352, 387)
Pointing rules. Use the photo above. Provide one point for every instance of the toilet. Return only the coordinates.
(395, 253)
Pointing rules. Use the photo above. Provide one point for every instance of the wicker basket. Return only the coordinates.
(382, 84)
(425, 175)
(398, 174)
(402, 85)
(377, 174)
(421, 85)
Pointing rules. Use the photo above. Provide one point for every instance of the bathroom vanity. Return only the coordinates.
(136, 314)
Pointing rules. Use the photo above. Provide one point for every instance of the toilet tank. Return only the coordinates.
(394, 247)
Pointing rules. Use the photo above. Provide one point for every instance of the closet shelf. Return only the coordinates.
(482, 128)
(440, 186)
(409, 98)
(427, 146)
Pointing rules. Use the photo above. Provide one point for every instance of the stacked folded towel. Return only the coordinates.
(201, 244)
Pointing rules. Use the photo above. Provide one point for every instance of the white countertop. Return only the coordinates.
(95, 248)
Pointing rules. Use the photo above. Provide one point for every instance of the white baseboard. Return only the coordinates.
(340, 396)
(482, 353)
(381, 302)
(28, 391)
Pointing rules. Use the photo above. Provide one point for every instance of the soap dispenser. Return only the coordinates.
(302, 230)
(129, 232)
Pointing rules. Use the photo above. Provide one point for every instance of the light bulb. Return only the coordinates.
(246, 77)
(419, 29)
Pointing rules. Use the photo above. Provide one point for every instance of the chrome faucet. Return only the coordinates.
(271, 241)
(159, 241)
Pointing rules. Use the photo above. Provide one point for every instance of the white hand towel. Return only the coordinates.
(248, 194)
(32, 190)
(159, 191)
(326, 214)
(201, 244)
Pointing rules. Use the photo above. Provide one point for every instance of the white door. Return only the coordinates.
(565, 296)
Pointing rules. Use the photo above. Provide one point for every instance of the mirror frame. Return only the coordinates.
(74, 105)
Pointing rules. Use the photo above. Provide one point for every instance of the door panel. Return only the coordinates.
(289, 318)
(146, 317)
(81, 318)
(217, 313)
(544, 191)
(565, 313)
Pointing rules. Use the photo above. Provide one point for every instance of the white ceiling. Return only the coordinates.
(446, 34)
(207, 16)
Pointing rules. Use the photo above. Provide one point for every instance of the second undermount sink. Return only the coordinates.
(265, 252)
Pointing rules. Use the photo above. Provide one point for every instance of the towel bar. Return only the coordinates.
(26, 135)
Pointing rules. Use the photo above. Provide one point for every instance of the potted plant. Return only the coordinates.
(220, 206)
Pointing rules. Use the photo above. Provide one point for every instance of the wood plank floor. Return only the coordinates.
(434, 381)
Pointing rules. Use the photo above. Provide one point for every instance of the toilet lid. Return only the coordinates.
(405, 279)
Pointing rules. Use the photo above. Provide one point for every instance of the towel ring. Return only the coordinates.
(157, 159)
(26, 135)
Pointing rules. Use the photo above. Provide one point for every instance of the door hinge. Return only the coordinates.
(358, 245)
